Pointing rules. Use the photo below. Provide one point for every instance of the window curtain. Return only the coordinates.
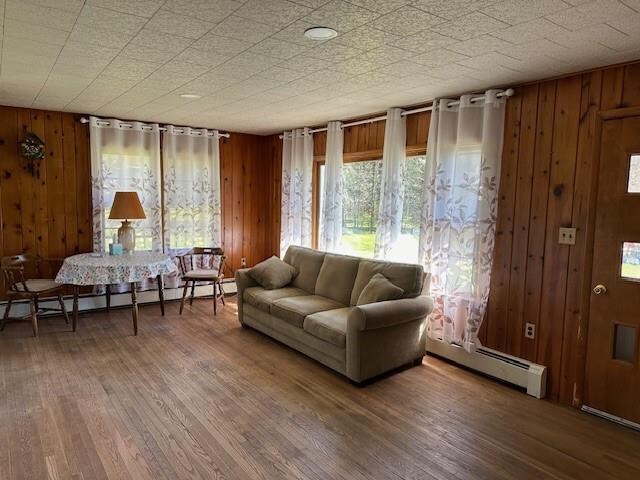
(125, 158)
(191, 203)
(331, 214)
(458, 223)
(391, 185)
(297, 168)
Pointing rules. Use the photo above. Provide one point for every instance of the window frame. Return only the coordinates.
(351, 157)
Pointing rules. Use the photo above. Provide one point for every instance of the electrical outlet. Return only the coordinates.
(530, 331)
(243, 262)
(567, 236)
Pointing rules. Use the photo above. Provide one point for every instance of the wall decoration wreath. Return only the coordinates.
(32, 150)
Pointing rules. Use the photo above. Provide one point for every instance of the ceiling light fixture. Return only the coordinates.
(320, 33)
(190, 95)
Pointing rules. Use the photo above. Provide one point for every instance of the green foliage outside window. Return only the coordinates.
(361, 199)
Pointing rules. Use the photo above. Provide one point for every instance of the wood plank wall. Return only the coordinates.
(51, 215)
(548, 181)
(246, 175)
(271, 156)
(367, 140)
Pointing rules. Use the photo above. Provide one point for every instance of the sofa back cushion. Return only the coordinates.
(307, 263)
(337, 276)
(408, 277)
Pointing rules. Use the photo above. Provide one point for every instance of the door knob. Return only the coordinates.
(599, 289)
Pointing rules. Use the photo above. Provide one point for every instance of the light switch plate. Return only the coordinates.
(567, 236)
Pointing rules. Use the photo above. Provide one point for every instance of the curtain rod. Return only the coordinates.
(505, 93)
(163, 129)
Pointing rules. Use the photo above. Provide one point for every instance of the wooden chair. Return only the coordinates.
(203, 264)
(20, 287)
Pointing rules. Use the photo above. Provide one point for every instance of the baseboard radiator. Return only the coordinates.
(97, 302)
(510, 369)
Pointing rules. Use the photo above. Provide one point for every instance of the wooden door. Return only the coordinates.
(613, 371)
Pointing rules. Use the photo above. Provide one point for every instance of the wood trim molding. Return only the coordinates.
(619, 113)
(376, 154)
(577, 399)
(315, 203)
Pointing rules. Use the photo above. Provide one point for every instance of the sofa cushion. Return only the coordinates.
(336, 277)
(379, 289)
(307, 262)
(407, 276)
(273, 273)
(330, 325)
(295, 309)
(262, 299)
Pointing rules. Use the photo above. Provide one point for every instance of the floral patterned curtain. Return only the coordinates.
(459, 213)
(392, 184)
(297, 168)
(191, 171)
(331, 213)
(125, 156)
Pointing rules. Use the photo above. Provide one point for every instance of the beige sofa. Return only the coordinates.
(317, 314)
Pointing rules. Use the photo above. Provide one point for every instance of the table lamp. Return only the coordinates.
(126, 206)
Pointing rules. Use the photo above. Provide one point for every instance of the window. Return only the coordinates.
(135, 176)
(457, 217)
(361, 199)
(624, 342)
(125, 157)
(412, 209)
(633, 185)
(185, 237)
(191, 188)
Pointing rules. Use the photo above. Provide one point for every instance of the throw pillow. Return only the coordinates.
(272, 273)
(379, 289)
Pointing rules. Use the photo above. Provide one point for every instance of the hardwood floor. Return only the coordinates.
(200, 397)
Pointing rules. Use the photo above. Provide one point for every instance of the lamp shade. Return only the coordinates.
(126, 205)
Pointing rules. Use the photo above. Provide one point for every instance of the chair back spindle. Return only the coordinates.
(203, 264)
(14, 270)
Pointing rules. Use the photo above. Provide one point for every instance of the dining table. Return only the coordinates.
(91, 269)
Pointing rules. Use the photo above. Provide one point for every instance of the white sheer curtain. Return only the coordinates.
(391, 185)
(125, 158)
(191, 203)
(191, 168)
(460, 198)
(297, 168)
(331, 213)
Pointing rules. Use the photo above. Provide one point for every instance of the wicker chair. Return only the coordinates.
(20, 287)
(202, 264)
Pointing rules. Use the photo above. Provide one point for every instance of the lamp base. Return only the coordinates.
(127, 237)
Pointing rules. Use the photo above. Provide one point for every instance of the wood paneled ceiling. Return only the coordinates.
(257, 73)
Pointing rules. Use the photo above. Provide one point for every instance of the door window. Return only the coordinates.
(624, 343)
(630, 268)
(633, 185)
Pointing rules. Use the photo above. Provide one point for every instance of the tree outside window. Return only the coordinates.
(361, 199)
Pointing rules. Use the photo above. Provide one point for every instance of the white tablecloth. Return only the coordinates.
(89, 269)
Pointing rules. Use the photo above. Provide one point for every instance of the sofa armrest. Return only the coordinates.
(388, 313)
(382, 336)
(243, 281)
